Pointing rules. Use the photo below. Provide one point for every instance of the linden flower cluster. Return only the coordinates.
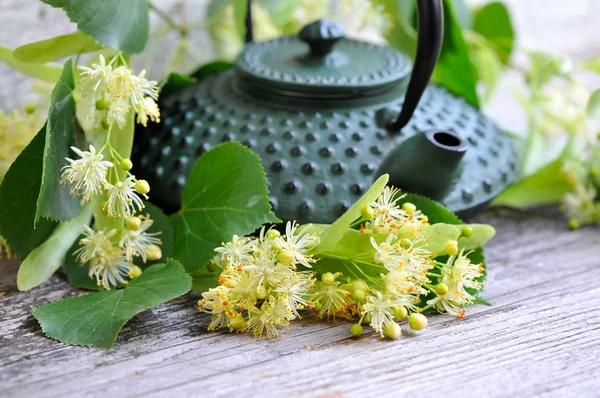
(397, 279)
(110, 92)
(110, 254)
(261, 287)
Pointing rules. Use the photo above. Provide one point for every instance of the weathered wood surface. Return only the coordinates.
(541, 337)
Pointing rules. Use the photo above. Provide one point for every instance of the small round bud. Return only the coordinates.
(328, 278)
(101, 104)
(153, 252)
(318, 306)
(595, 172)
(424, 219)
(125, 164)
(359, 284)
(441, 289)
(273, 234)
(359, 295)
(105, 123)
(211, 267)
(262, 292)
(356, 330)
(467, 232)
(142, 187)
(417, 321)
(574, 223)
(367, 212)
(405, 243)
(400, 312)
(285, 257)
(392, 330)
(133, 223)
(409, 208)
(29, 109)
(451, 247)
(237, 321)
(134, 272)
(276, 246)
(408, 230)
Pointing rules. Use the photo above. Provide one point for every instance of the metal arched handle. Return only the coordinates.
(429, 43)
(248, 22)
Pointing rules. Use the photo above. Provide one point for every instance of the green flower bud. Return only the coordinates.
(467, 232)
(133, 223)
(405, 243)
(262, 292)
(328, 278)
(417, 321)
(367, 212)
(142, 187)
(408, 230)
(153, 252)
(400, 312)
(574, 223)
(285, 257)
(318, 306)
(101, 104)
(409, 208)
(237, 321)
(359, 295)
(105, 123)
(134, 272)
(211, 267)
(276, 246)
(451, 247)
(441, 289)
(359, 284)
(356, 330)
(273, 234)
(392, 330)
(29, 109)
(126, 164)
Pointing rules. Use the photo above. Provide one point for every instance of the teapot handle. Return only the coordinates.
(429, 42)
(249, 37)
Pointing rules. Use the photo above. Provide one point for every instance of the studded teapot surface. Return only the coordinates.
(317, 110)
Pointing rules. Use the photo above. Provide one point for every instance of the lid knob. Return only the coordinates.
(321, 35)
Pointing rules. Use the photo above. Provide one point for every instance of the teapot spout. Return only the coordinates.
(427, 163)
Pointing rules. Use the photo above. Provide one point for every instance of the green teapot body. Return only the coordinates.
(320, 111)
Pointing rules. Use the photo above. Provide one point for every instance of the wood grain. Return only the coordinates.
(541, 337)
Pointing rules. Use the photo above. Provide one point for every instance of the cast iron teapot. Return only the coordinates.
(321, 111)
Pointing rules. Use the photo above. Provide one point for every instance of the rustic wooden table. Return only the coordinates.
(541, 337)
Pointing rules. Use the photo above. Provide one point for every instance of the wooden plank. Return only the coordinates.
(541, 336)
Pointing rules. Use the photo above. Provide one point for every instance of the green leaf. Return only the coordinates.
(479, 300)
(226, 195)
(593, 106)
(119, 24)
(174, 83)
(240, 7)
(482, 233)
(48, 73)
(488, 66)
(454, 69)
(203, 279)
(95, 319)
(332, 235)
(438, 235)
(54, 201)
(545, 186)
(435, 212)
(208, 69)
(18, 197)
(493, 22)
(400, 34)
(78, 274)
(56, 48)
(44, 260)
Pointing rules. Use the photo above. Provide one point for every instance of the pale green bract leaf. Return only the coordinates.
(119, 24)
(95, 319)
(438, 236)
(49, 72)
(545, 186)
(482, 233)
(56, 48)
(494, 23)
(593, 107)
(336, 231)
(400, 34)
(54, 201)
(592, 65)
(226, 195)
(44, 260)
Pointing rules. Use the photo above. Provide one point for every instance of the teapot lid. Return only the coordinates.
(321, 63)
